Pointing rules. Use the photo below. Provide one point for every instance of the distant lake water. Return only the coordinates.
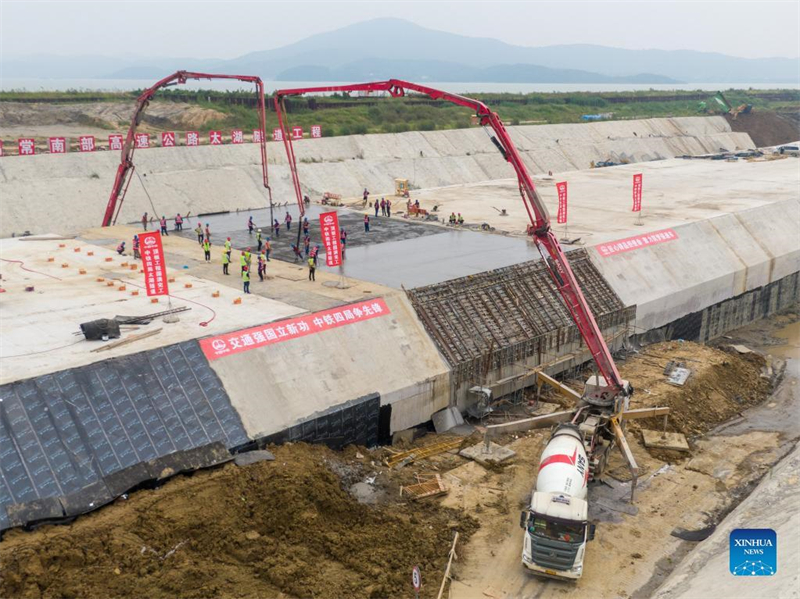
(8, 84)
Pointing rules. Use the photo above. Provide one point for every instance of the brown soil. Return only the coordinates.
(159, 116)
(721, 385)
(273, 529)
(767, 128)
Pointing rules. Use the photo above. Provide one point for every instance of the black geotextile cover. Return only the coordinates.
(73, 440)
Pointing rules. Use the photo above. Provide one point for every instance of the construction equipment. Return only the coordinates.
(720, 98)
(126, 166)
(556, 523)
(401, 187)
(606, 397)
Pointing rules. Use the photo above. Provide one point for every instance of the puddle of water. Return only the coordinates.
(791, 349)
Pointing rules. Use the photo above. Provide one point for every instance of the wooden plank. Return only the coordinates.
(131, 339)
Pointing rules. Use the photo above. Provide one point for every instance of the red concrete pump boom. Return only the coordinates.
(556, 261)
(126, 166)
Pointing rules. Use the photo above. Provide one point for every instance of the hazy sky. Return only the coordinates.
(229, 29)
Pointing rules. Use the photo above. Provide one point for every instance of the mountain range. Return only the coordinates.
(384, 48)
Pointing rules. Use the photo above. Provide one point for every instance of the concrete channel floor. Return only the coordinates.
(675, 192)
(396, 252)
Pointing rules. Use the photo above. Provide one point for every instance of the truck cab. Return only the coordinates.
(556, 533)
(555, 524)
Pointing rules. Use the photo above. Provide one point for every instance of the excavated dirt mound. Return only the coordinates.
(766, 128)
(107, 115)
(720, 386)
(274, 529)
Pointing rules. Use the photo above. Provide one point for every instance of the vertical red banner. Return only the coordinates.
(26, 146)
(329, 229)
(637, 192)
(155, 268)
(561, 219)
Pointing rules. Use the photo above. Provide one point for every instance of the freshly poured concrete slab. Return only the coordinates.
(434, 258)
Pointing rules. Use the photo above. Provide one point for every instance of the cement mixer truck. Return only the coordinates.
(556, 526)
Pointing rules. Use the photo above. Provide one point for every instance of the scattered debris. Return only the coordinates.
(429, 486)
(694, 535)
(253, 457)
(403, 458)
(446, 419)
(741, 349)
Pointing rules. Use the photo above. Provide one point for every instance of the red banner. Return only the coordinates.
(237, 136)
(26, 146)
(155, 269)
(1, 147)
(86, 143)
(57, 145)
(168, 139)
(291, 328)
(297, 132)
(562, 203)
(215, 138)
(329, 229)
(316, 131)
(277, 135)
(636, 243)
(637, 192)
(115, 142)
(142, 140)
(192, 138)
(256, 135)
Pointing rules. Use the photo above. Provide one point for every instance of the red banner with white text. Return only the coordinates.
(562, 203)
(155, 268)
(637, 193)
(329, 229)
(634, 243)
(292, 328)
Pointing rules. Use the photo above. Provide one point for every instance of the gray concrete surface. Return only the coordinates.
(68, 193)
(274, 387)
(774, 504)
(434, 258)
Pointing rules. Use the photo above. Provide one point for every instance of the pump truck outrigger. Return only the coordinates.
(556, 523)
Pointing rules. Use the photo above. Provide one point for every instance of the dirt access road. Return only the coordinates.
(634, 549)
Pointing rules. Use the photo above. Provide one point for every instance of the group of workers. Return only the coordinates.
(455, 220)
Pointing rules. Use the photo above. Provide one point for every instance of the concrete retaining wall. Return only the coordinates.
(68, 193)
(711, 261)
(277, 386)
